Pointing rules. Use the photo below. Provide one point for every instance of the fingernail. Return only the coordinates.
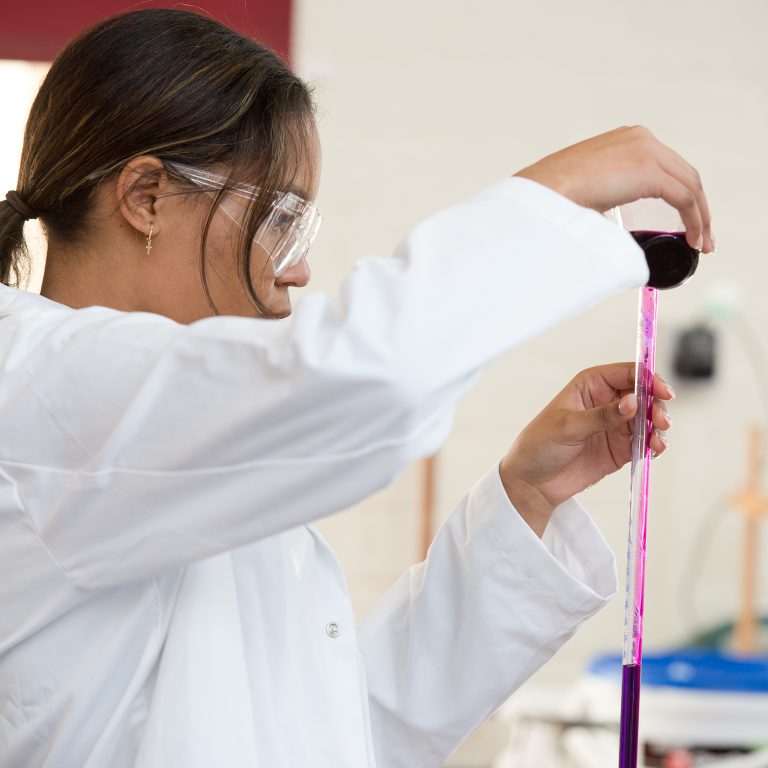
(662, 435)
(668, 418)
(670, 391)
(700, 243)
(628, 403)
(654, 454)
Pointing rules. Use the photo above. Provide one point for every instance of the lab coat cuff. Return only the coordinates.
(597, 239)
(572, 566)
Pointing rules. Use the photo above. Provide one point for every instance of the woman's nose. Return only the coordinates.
(297, 275)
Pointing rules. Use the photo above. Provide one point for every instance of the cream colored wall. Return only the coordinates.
(421, 103)
(19, 81)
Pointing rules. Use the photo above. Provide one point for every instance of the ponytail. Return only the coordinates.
(14, 258)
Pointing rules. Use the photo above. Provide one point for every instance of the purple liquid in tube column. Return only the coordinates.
(638, 513)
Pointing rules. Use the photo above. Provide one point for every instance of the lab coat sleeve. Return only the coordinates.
(458, 633)
(135, 444)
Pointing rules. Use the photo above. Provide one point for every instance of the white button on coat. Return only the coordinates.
(160, 590)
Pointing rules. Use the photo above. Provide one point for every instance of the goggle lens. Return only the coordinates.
(287, 241)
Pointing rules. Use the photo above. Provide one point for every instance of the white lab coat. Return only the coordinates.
(163, 602)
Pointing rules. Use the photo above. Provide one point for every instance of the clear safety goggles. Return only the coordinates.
(289, 228)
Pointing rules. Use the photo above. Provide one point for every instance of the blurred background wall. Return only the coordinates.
(422, 103)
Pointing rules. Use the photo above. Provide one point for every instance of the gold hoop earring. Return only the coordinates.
(149, 240)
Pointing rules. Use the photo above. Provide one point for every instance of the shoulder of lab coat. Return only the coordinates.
(134, 444)
(458, 633)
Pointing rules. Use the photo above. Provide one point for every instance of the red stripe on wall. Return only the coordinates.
(37, 30)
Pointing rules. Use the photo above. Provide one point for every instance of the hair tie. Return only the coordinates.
(18, 205)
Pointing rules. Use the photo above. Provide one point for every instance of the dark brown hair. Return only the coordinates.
(162, 82)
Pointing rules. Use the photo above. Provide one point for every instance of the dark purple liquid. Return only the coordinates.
(630, 712)
(671, 261)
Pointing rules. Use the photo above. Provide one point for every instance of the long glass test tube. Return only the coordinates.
(638, 515)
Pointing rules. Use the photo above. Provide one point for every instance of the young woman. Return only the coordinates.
(170, 427)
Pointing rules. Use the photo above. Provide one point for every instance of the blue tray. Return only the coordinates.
(693, 669)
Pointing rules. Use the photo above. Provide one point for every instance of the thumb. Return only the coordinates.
(606, 417)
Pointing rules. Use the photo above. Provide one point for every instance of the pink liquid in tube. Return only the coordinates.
(645, 363)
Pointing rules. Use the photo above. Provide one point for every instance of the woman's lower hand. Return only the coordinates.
(584, 434)
(622, 166)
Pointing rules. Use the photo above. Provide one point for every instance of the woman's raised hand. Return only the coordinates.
(622, 166)
(584, 434)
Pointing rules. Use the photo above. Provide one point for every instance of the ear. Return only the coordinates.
(139, 185)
